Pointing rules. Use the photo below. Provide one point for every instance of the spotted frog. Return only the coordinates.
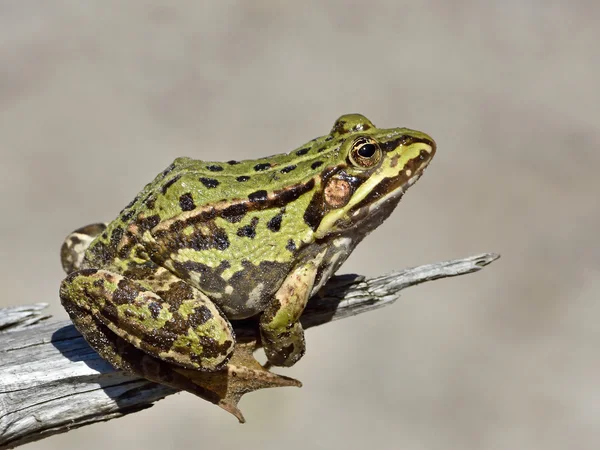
(207, 242)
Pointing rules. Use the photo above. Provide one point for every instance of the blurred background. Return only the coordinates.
(97, 97)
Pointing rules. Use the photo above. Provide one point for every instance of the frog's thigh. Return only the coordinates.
(188, 330)
(281, 332)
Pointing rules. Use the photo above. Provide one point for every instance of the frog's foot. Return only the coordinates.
(75, 245)
(284, 347)
(176, 324)
(243, 374)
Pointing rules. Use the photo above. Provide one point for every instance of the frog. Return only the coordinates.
(206, 244)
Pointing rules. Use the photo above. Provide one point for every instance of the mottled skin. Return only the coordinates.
(206, 242)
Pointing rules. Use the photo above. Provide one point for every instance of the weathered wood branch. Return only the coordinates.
(19, 317)
(52, 381)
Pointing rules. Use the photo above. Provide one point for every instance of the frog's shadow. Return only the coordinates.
(71, 344)
(126, 390)
(322, 307)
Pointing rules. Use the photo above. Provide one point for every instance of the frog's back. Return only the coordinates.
(188, 183)
(222, 226)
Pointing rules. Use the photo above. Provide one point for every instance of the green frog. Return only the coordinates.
(205, 243)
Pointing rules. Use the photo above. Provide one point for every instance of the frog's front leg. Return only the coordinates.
(281, 332)
(167, 319)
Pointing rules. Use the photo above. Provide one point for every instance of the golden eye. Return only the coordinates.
(365, 152)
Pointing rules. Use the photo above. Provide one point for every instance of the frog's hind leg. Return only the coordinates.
(224, 387)
(124, 356)
(75, 245)
(160, 314)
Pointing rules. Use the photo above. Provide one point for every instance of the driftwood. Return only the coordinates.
(52, 381)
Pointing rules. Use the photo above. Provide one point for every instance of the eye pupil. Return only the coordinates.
(367, 150)
(364, 153)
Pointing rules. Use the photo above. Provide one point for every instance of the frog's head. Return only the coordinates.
(374, 168)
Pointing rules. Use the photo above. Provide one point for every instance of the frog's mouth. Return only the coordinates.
(370, 215)
(392, 196)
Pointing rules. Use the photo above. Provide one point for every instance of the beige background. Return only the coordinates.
(96, 97)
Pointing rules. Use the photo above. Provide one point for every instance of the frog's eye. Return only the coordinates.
(365, 152)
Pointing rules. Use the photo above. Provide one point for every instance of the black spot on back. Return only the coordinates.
(303, 151)
(262, 166)
(291, 245)
(170, 183)
(116, 236)
(128, 215)
(217, 238)
(214, 168)
(186, 202)
(150, 201)
(209, 182)
(234, 213)
(232, 162)
(247, 231)
(288, 168)
(221, 240)
(132, 202)
(258, 196)
(292, 193)
(242, 178)
(316, 164)
(147, 223)
(168, 170)
(275, 223)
